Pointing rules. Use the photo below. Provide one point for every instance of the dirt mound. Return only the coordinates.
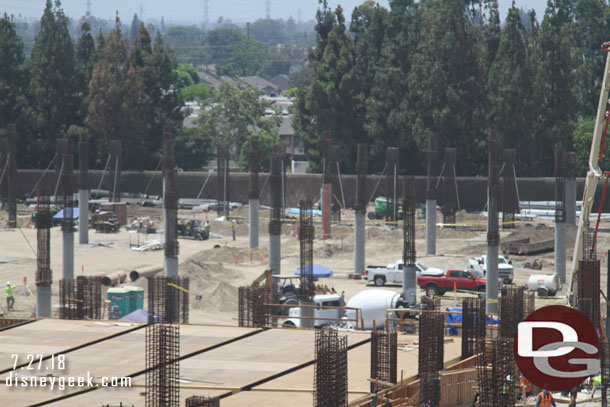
(536, 233)
(328, 250)
(223, 254)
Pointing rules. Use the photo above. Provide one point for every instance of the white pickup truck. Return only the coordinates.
(393, 273)
(505, 267)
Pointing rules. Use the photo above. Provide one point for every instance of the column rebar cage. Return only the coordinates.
(162, 365)
(511, 310)
(115, 170)
(83, 162)
(384, 358)
(67, 182)
(251, 305)
(510, 202)
(497, 373)
(61, 149)
(391, 184)
(202, 401)
(171, 195)
(44, 221)
(254, 156)
(12, 175)
(361, 171)
(605, 370)
(409, 208)
(560, 188)
(167, 300)
(306, 236)
(473, 325)
(588, 297)
(431, 354)
(330, 377)
(222, 179)
(493, 181)
(529, 303)
(275, 222)
(449, 187)
(432, 169)
(80, 298)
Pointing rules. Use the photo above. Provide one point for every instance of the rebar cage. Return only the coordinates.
(497, 373)
(330, 377)
(511, 310)
(384, 348)
(306, 235)
(167, 299)
(162, 365)
(473, 325)
(80, 298)
(44, 221)
(409, 208)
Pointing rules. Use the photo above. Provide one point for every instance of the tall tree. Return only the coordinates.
(12, 72)
(135, 29)
(510, 90)
(54, 91)
(446, 92)
(86, 56)
(246, 58)
(114, 99)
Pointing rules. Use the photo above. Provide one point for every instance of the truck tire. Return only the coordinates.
(482, 291)
(371, 216)
(432, 290)
(379, 281)
(508, 281)
(543, 292)
(288, 324)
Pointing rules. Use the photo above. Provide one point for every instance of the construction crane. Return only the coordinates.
(594, 174)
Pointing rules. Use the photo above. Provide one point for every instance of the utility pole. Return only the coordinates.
(206, 14)
(267, 9)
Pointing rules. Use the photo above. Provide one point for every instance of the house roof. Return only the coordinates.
(260, 83)
(281, 81)
(212, 80)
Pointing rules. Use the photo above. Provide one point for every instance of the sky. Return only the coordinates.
(191, 11)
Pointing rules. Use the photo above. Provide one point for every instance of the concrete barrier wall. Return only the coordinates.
(472, 190)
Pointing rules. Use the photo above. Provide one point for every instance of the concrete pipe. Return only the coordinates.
(145, 272)
(114, 278)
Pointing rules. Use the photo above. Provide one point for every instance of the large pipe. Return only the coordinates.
(145, 272)
(253, 208)
(560, 251)
(83, 216)
(43, 301)
(430, 227)
(114, 278)
(359, 241)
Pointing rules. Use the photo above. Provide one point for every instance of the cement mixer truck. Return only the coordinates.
(374, 303)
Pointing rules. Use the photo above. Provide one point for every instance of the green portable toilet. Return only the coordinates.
(136, 298)
(120, 297)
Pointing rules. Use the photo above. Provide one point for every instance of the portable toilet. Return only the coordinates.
(121, 298)
(136, 297)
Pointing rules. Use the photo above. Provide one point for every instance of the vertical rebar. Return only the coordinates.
(511, 310)
(431, 355)
(44, 275)
(83, 189)
(431, 194)
(170, 204)
(222, 179)
(510, 203)
(384, 348)
(473, 325)
(496, 372)
(166, 302)
(162, 365)
(115, 170)
(202, 401)
(306, 235)
(409, 284)
(493, 234)
(391, 184)
(330, 377)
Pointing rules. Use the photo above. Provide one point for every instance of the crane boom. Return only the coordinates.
(594, 173)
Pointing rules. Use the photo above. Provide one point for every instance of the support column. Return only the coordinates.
(275, 222)
(83, 189)
(560, 214)
(409, 283)
(68, 255)
(560, 251)
(67, 223)
(43, 301)
(253, 193)
(360, 209)
(493, 234)
(431, 195)
(170, 205)
(44, 275)
(570, 188)
(326, 210)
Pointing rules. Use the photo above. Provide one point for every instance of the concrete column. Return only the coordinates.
(491, 292)
(570, 203)
(43, 301)
(68, 254)
(83, 216)
(275, 253)
(409, 284)
(359, 241)
(430, 227)
(171, 266)
(253, 208)
(326, 197)
(560, 251)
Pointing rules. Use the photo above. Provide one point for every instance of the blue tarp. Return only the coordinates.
(318, 271)
(60, 215)
(457, 319)
(139, 315)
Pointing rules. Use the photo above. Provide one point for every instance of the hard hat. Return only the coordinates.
(8, 283)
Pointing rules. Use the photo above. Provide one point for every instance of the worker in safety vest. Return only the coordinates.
(545, 399)
(10, 300)
(525, 384)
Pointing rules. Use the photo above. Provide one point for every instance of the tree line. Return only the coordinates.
(450, 68)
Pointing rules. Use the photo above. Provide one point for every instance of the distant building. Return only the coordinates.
(262, 84)
(282, 82)
(292, 142)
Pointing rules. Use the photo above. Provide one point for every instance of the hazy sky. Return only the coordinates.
(192, 10)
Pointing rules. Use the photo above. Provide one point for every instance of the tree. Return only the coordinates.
(190, 70)
(193, 147)
(86, 56)
(218, 41)
(200, 91)
(581, 141)
(246, 58)
(445, 86)
(267, 143)
(114, 100)
(12, 72)
(510, 91)
(269, 31)
(135, 29)
(234, 115)
(55, 99)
